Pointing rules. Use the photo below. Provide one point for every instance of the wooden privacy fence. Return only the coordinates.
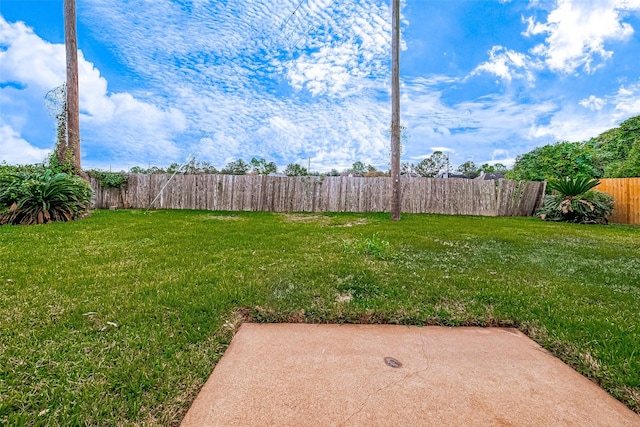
(626, 193)
(323, 194)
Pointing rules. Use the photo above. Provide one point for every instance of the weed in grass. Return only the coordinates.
(373, 246)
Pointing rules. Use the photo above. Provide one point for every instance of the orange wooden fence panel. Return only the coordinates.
(626, 193)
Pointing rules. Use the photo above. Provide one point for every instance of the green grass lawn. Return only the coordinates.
(118, 319)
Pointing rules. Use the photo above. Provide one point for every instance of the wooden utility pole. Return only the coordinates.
(72, 150)
(395, 112)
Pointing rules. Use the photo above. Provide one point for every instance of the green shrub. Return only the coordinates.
(574, 200)
(110, 179)
(42, 197)
(32, 168)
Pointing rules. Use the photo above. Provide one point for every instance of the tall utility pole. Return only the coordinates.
(72, 150)
(395, 112)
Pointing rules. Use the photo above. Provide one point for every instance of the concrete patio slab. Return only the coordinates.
(383, 375)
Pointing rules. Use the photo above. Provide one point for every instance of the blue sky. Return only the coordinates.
(224, 79)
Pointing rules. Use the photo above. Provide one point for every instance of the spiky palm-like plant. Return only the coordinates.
(574, 200)
(574, 187)
(39, 198)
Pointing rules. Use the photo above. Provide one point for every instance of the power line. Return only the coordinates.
(284, 24)
(304, 34)
(309, 28)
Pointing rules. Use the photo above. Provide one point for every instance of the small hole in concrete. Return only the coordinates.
(394, 363)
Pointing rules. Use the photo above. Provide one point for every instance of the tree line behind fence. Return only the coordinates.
(322, 194)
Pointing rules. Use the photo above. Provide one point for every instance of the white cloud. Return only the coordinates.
(618, 106)
(29, 59)
(507, 161)
(577, 31)
(15, 150)
(627, 101)
(576, 34)
(598, 114)
(501, 156)
(499, 153)
(340, 64)
(593, 103)
(507, 64)
(571, 125)
(443, 149)
(118, 125)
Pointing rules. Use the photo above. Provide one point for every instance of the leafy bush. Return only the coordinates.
(612, 154)
(42, 197)
(555, 161)
(110, 179)
(33, 168)
(574, 200)
(618, 149)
